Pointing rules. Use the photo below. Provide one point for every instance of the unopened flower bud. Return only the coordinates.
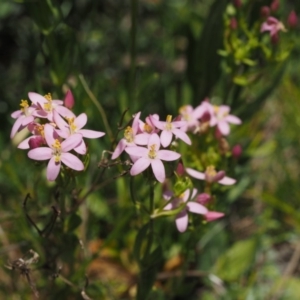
(203, 198)
(237, 3)
(236, 151)
(274, 5)
(69, 100)
(35, 142)
(292, 20)
(233, 23)
(265, 12)
(275, 38)
(213, 215)
(180, 168)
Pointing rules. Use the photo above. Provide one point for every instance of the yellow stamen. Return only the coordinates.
(48, 105)
(148, 128)
(57, 150)
(40, 130)
(210, 171)
(183, 112)
(24, 105)
(48, 97)
(152, 152)
(73, 127)
(216, 109)
(168, 124)
(128, 134)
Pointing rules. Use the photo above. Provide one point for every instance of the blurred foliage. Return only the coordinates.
(153, 56)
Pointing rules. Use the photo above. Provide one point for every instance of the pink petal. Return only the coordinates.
(65, 112)
(49, 134)
(213, 215)
(119, 149)
(186, 194)
(139, 166)
(91, 134)
(227, 181)
(182, 135)
(155, 121)
(53, 169)
(16, 114)
(37, 98)
(141, 139)
(196, 208)
(72, 161)
(135, 123)
(81, 148)
(158, 170)
(16, 127)
(27, 120)
(137, 151)
(154, 140)
(167, 155)
(233, 119)
(42, 153)
(195, 174)
(166, 138)
(25, 143)
(223, 127)
(80, 121)
(61, 123)
(71, 142)
(182, 221)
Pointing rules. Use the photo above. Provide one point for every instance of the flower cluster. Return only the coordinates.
(55, 131)
(153, 143)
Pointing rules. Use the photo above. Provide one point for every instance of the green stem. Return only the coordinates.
(134, 8)
(98, 105)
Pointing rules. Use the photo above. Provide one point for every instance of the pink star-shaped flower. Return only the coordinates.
(191, 206)
(57, 152)
(272, 25)
(151, 156)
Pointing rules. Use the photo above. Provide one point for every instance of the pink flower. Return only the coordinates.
(23, 117)
(131, 138)
(189, 114)
(169, 128)
(74, 126)
(292, 19)
(273, 25)
(191, 206)
(47, 106)
(57, 153)
(151, 156)
(211, 176)
(221, 118)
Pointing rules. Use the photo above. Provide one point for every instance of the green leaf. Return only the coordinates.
(236, 261)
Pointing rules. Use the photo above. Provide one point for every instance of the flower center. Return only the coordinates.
(147, 128)
(24, 106)
(183, 111)
(48, 105)
(210, 171)
(39, 129)
(128, 135)
(72, 126)
(168, 125)
(152, 152)
(56, 146)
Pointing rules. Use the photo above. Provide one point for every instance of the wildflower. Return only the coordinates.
(211, 175)
(221, 118)
(273, 25)
(57, 153)
(151, 156)
(23, 116)
(169, 128)
(191, 206)
(47, 105)
(73, 126)
(189, 114)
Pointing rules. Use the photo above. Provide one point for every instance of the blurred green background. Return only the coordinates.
(153, 56)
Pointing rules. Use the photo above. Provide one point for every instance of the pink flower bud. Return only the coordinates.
(215, 177)
(237, 151)
(35, 142)
(69, 100)
(292, 20)
(180, 168)
(274, 5)
(275, 38)
(203, 198)
(213, 215)
(237, 3)
(265, 12)
(233, 23)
